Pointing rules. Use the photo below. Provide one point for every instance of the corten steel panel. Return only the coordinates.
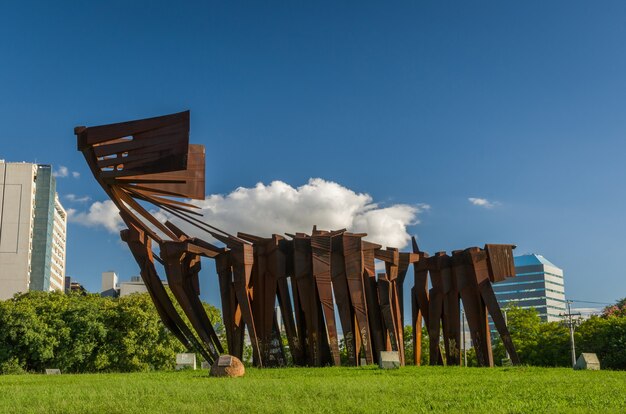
(295, 329)
(187, 183)
(140, 247)
(500, 261)
(242, 259)
(500, 265)
(231, 312)
(182, 269)
(419, 300)
(435, 308)
(148, 160)
(321, 243)
(392, 318)
(318, 349)
(269, 263)
(355, 271)
(287, 246)
(281, 263)
(452, 313)
(351, 337)
(391, 331)
(475, 311)
(396, 291)
(152, 145)
(371, 296)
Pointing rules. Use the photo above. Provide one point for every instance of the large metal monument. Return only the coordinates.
(313, 277)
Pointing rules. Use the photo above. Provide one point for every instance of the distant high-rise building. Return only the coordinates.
(109, 284)
(112, 288)
(33, 227)
(538, 284)
(73, 286)
(48, 257)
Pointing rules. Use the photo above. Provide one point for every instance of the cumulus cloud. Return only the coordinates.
(101, 214)
(280, 208)
(482, 202)
(63, 172)
(77, 199)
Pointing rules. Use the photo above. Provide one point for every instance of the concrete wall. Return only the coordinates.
(109, 281)
(17, 195)
(126, 288)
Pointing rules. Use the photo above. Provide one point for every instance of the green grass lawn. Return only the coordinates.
(307, 390)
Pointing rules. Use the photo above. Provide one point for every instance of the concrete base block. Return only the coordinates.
(389, 360)
(185, 361)
(588, 361)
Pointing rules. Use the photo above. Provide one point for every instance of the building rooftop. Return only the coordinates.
(532, 260)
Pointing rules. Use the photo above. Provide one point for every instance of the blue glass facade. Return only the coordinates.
(42, 229)
(539, 284)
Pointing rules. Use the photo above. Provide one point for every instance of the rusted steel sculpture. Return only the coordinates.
(310, 276)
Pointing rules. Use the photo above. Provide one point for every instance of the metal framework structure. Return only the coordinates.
(313, 277)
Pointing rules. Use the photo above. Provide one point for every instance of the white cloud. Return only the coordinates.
(280, 208)
(76, 199)
(61, 172)
(104, 214)
(483, 202)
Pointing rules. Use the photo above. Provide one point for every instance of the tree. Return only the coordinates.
(606, 337)
(536, 342)
(408, 346)
(617, 310)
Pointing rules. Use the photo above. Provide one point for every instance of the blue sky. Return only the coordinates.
(519, 103)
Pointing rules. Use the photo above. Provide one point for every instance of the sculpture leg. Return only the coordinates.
(354, 277)
(140, 247)
(490, 300)
(453, 327)
(179, 276)
(286, 310)
(435, 308)
(398, 318)
(475, 316)
(417, 329)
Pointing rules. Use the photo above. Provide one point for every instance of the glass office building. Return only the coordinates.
(538, 284)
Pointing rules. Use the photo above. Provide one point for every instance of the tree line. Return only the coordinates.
(88, 333)
(547, 344)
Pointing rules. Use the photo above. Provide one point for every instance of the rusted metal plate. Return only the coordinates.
(187, 183)
(355, 270)
(321, 242)
(500, 261)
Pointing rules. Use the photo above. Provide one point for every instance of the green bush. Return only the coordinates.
(85, 333)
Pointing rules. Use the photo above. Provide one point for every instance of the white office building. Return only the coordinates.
(539, 284)
(33, 227)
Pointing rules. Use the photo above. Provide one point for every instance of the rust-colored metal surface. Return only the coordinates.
(311, 277)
